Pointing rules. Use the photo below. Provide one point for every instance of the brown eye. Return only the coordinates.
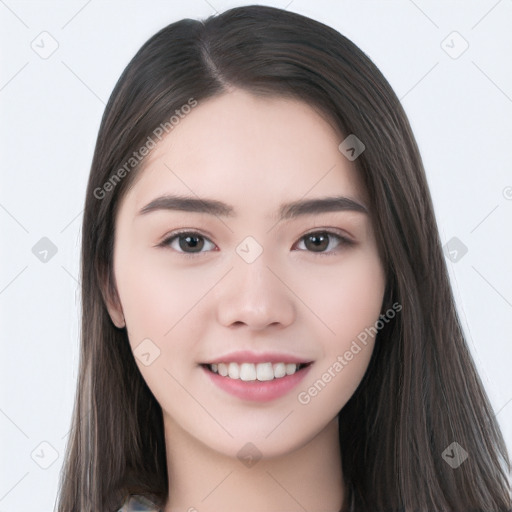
(317, 242)
(193, 242)
(320, 241)
(189, 242)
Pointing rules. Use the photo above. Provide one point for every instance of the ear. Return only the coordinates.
(116, 314)
(113, 304)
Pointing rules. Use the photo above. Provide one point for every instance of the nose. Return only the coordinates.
(255, 296)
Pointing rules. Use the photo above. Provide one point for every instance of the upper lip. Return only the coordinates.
(247, 356)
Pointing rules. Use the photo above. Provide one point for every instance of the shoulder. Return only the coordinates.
(137, 503)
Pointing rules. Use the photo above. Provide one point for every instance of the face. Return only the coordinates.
(277, 296)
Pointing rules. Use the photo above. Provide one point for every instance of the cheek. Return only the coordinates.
(348, 300)
(148, 302)
(159, 303)
(165, 308)
(350, 304)
(156, 297)
(346, 297)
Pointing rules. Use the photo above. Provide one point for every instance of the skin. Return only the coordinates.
(254, 154)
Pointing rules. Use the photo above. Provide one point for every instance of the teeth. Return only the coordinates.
(233, 371)
(250, 371)
(290, 369)
(247, 371)
(223, 369)
(264, 371)
(279, 370)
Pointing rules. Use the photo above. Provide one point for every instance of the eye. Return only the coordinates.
(188, 242)
(322, 241)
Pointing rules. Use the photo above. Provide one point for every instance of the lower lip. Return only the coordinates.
(255, 390)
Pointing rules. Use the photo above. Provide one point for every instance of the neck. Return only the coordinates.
(203, 480)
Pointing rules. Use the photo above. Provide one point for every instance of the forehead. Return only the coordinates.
(250, 151)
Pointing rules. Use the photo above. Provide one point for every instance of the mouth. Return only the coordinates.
(256, 377)
(262, 372)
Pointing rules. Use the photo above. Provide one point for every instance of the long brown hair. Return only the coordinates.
(421, 392)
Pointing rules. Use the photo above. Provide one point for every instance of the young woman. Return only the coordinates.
(268, 323)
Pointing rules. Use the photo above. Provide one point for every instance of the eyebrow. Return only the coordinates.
(220, 209)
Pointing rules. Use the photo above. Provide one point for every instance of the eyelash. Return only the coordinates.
(342, 241)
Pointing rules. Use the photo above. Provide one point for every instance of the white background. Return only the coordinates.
(460, 110)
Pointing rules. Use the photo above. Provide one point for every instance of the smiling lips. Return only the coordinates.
(247, 366)
(251, 371)
(257, 376)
